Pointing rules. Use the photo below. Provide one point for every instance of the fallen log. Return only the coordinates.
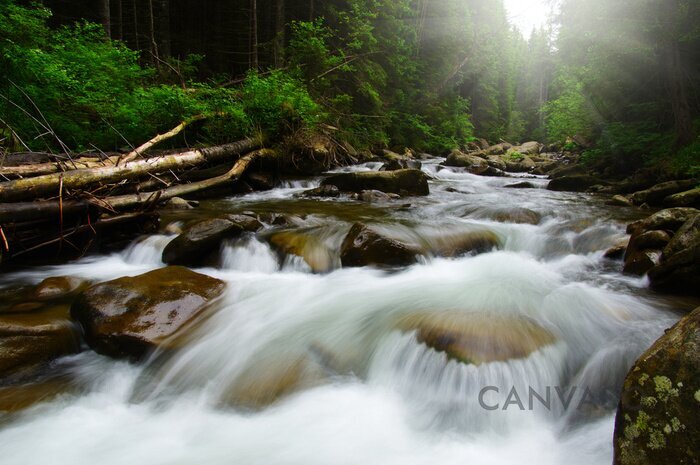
(47, 185)
(139, 151)
(27, 211)
(40, 169)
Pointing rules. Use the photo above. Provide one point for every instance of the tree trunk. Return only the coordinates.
(53, 184)
(28, 211)
(164, 28)
(254, 34)
(152, 30)
(136, 26)
(279, 33)
(120, 20)
(675, 80)
(104, 13)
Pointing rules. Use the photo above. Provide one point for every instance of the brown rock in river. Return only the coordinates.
(129, 317)
(365, 247)
(196, 243)
(475, 338)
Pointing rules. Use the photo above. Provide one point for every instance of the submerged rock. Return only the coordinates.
(402, 182)
(61, 287)
(620, 201)
(376, 196)
(322, 191)
(365, 247)
(657, 418)
(26, 345)
(196, 243)
(516, 215)
(521, 185)
(477, 338)
(129, 317)
(316, 254)
(472, 242)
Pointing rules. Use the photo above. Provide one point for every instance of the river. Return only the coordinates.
(371, 394)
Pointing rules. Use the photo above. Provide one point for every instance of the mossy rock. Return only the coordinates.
(657, 419)
(365, 247)
(402, 182)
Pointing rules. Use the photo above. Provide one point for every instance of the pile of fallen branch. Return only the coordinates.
(63, 203)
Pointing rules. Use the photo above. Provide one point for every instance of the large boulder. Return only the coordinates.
(403, 182)
(689, 198)
(26, 344)
(679, 267)
(519, 163)
(573, 183)
(365, 247)
(494, 161)
(498, 149)
(670, 219)
(657, 418)
(131, 316)
(529, 148)
(655, 195)
(322, 191)
(196, 243)
(473, 164)
(477, 338)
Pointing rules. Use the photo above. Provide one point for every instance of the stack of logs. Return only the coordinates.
(63, 205)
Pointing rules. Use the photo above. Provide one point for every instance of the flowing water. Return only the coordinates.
(366, 391)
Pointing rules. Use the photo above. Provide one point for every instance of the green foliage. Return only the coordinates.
(568, 115)
(279, 103)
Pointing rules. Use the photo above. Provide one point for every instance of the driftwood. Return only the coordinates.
(139, 151)
(51, 184)
(27, 211)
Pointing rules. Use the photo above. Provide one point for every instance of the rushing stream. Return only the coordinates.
(369, 393)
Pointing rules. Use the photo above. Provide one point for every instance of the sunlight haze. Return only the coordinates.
(527, 14)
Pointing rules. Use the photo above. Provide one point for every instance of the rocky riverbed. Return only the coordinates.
(396, 311)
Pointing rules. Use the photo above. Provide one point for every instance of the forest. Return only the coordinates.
(619, 79)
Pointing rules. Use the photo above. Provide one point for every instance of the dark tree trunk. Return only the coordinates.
(120, 20)
(675, 80)
(164, 28)
(152, 30)
(254, 34)
(279, 33)
(104, 13)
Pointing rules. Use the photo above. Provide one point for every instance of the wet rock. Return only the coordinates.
(494, 161)
(302, 244)
(657, 420)
(519, 163)
(365, 247)
(521, 185)
(402, 182)
(655, 239)
(689, 198)
(640, 262)
(617, 251)
(21, 395)
(60, 287)
(568, 170)
(472, 163)
(28, 344)
(670, 219)
(322, 191)
(177, 203)
(376, 196)
(261, 180)
(515, 215)
(655, 195)
(498, 149)
(529, 148)
(573, 183)
(248, 223)
(194, 246)
(477, 338)
(679, 270)
(401, 163)
(620, 201)
(473, 242)
(131, 316)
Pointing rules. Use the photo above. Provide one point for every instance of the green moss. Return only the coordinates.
(664, 388)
